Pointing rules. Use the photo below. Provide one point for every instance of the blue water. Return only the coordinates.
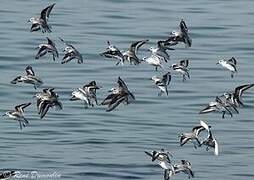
(93, 144)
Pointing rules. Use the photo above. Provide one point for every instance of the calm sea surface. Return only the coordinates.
(92, 144)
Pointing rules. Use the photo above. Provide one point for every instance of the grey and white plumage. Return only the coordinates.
(216, 106)
(113, 52)
(87, 94)
(161, 51)
(154, 61)
(162, 83)
(229, 64)
(192, 136)
(161, 155)
(185, 167)
(182, 68)
(44, 48)
(18, 114)
(46, 99)
(162, 158)
(118, 95)
(7, 174)
(235, 96)
(71, 53)
(41, 23)
(29, 78)
(210, 141)
(182, 35)
(131, 54)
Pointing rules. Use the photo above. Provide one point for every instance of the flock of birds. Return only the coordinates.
(227, 103)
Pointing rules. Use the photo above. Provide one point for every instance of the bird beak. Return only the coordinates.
(4, 115)
(217, 63)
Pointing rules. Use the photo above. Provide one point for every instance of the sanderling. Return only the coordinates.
(131, 54)
(184, 167)
(154, 61)
(229, 64)
(182, 35)
(42, 21)
(118, 95)
(18, 114)
(161, 51)
(161, 155)
(182, 68)
(29, 78)
(210, 141)
(163, 83)
(45, 48)
(71, 53)
(46, 99)
(216, 106)
(193, 135)
(113, 52)
(234, 97)
(87, 94)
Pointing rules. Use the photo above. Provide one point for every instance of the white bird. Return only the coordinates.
(71, 53)
(50, 47)
(229, 64)
(182, 68)
(18, 114)
(42, 21)
(161, 51)
(163, 83)
(29, 78)
(181, 36)
(154, 61)
(210, 141)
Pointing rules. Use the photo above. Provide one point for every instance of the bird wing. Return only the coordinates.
(21, 107)
(115, 102)
(183, 26)
(136, 45)
(183, 140)
(45, 12)
(166, 78)
(216, 148)
(45, 109)
(29, 71)
(122, 84)
(50, 42)
(184, 63)
(42, 51)
(240, 89)
(232, 61)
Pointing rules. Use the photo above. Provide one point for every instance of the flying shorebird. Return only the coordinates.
(18, 114)
(113, 52)
(29, 78)
(131, 54)
(182, 35)
(118, 95)
(235, 97)
(50, 47)
(46, 99)
(210, 141)
(182, 68)
(216, 106)
(154, 61)
(184, 167)
(71, 53)
(41, 23)
(86, 94)
(229, 64)
(163, 83)
(192, 136)
(161, 51)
